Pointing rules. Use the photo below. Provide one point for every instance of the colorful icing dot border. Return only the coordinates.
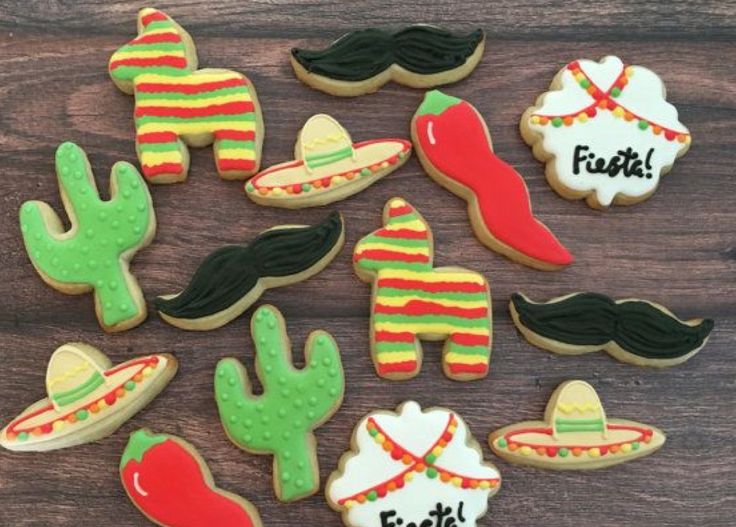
(328, 182)
(604, 100)
(573, 451)
(415, 464)
(147, 366)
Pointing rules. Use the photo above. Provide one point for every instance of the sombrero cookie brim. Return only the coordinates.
(532, 443)
(293, 185)
(128, 388)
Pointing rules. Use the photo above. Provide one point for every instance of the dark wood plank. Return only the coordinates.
(677, 249)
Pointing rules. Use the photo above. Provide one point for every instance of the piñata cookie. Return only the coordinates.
(281, 421)
(413, 300)
(631, 330)
(328, 167)
(412, 467)
(576, 434)
(88, 398)
(454, 146)
(178, 105)
(605, 131)
(362, 61)
(233, 278)
(95, 253)
(170, 483)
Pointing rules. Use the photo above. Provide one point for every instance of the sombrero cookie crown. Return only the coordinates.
(88, 398)
(606, 132)
(575, 434)
(328, 167)
(408, 466)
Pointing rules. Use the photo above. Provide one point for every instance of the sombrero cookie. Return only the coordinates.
(328, 167)
(88, 398)
(575, 434)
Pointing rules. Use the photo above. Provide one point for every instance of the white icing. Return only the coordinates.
(605, 134)
(415, 431)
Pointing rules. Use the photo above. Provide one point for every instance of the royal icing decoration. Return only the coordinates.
(94, 254)
(575, 434)
(234, 277)
(294, 402)
(328, 167)
(635, 331)
(177, 105)
(454, 147)
(88, 398)
(412, 468)
(167, 479)
(412, 300)
(606, 132)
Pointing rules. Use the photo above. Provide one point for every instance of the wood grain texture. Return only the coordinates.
(676, 249)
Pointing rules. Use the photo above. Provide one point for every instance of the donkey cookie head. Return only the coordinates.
(162, 47)
(404, 242)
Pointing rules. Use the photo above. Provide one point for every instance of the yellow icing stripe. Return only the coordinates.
(418, 327)
(161, 31)
(434, 276)
(403, 300)
(394, 248)
(389, 357)
(459, 358)
(68, 375)
(159, 158)
(568, 408)
(414, 225)
(236, 153)
(197, 128)
(148, 54)
(198, 78)
(193, 103)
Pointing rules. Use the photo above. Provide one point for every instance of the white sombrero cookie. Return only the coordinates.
(88, 398)
(328, 167)
(575, 434)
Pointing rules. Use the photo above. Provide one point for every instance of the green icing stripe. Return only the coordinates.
(159, 24)
(468, 350)
(134, 71)
(158, 147)
(175, 96)
(393, 347)
(481, 322)
(579, 425)
(233, 144)
(318, 160)
(84, 389)
(148, 119)
(393, 292)
(394, 264)
(161, 46)
(406, 218)
(402, 242)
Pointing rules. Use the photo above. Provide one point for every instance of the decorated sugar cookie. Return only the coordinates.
(328, 167)
(605, 131)
(88, 398)
(360, 62)
(233, 278)
(412, 468)
(177, 105)
(635, 331)
(95, 253)
(413, 300)
(576, 434)
(281, 421)
(454, 146)
(170, 483)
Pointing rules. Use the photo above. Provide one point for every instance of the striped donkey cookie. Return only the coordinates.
(178, 105)
(413, 301)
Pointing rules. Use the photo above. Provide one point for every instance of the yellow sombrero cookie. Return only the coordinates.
(575, 434)
(88, 398)
(327, 167)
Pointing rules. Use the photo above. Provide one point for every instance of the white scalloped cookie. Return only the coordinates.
(606, 132)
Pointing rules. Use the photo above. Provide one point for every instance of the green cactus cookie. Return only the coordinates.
(95, 253)
(293, 404)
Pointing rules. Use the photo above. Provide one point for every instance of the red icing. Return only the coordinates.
(165, 60)
(460, 150)
(408, 366)
(232, 108)
(432, 287)
(177, 494)
(422, 307)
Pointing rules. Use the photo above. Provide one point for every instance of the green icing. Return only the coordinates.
(81, 391)
(435, 102)
(102, 232)
(579, 425)
(138, 444)
(294, 402)
(318, 160)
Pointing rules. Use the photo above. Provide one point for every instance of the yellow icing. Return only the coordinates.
(440, 276)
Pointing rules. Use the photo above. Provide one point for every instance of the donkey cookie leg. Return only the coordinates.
(466, 355)
(164, 157)
(235, 153)
(396, 353)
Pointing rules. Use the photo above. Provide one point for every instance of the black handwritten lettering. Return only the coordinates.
(627, 163)
(440, 516)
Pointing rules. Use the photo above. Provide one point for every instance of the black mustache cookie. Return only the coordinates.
(360, 62)
(631, 330)
(232, 278)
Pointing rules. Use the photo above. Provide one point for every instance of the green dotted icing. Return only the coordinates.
(102, 231)
(295, 402)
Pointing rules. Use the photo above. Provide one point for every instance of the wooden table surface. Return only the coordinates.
(677, 249)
